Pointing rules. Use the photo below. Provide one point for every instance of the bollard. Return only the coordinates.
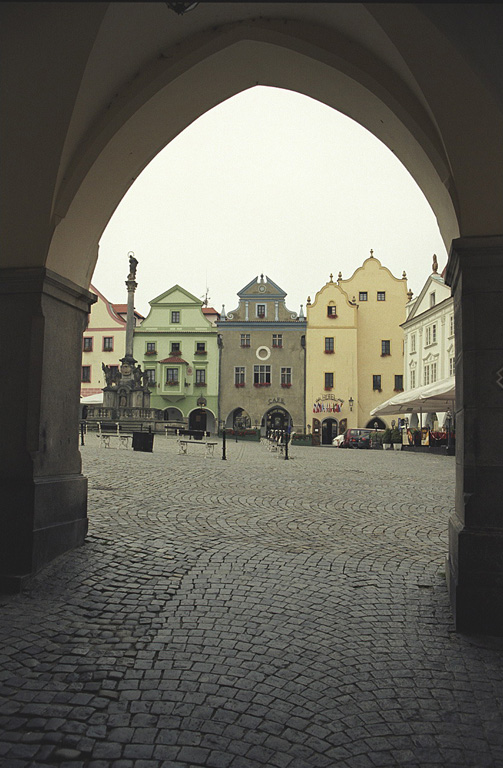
(82, 433)
(224, 457)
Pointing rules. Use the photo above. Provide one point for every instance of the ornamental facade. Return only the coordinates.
(354, 349)
(262, 361)
(429, 346)
(177, 347)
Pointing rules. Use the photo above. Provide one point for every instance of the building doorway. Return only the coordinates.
(277, 419)
(198, 420)
(328, 431)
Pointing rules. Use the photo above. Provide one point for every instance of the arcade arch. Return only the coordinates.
(94, 134)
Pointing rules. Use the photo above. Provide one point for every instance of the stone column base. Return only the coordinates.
(474, 571)
(43, 495)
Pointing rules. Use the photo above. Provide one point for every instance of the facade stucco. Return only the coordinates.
(270, 347)
(367, 343)
(176, 318)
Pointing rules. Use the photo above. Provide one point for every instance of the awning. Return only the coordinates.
(96, 399)
(439, 396)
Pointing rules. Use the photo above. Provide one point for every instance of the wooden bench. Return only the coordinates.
(209, 447)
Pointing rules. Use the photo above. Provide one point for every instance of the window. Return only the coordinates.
(86, 374)
(363, 295)
(385, 347)
(260, 310)
(381, 295)
(239, 376)
(150, 375)
(175, 347)
(431, 335)
(329, 344)
(331, 310)
(399, 383)
(200, 377)
(108, 343)
(329, 381)
(245, 339)
(88, 344)
(277, 340)
(451, 325)
(430, 373)
(200, 348)
(172, 376)
(261, 375)
(432, 299)
(452, 366)
(413, 378)
(413, 342)
(175, 316)
(151, 348)
(286, 377)
(376, 382)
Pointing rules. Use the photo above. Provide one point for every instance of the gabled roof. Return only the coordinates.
(277, 291)
(122, 309)
(175, 360)
(433, 279)
(163, 296)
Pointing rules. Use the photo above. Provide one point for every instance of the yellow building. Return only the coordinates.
(354, 349)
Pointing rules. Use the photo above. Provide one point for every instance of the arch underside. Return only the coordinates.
(170, 96)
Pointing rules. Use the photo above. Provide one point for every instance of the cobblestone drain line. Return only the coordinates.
(250, 613)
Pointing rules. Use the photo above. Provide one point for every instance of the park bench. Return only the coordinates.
(209, 447)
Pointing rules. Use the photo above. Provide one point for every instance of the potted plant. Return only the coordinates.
(386, 439)
(396, 439)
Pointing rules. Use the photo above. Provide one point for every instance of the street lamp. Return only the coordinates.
(222, 426)
(351, 403)
(448, 421)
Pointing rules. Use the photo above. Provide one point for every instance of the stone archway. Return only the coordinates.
(90, 138)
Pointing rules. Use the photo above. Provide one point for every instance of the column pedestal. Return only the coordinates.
(475, 561)
(43, 495)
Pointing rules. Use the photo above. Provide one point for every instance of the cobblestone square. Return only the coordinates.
(250, 612)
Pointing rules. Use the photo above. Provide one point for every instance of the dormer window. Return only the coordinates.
(432, 299)
(261, 310)
(331, 310)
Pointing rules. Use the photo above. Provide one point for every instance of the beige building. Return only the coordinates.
(262, 347)
(354, 349)
(104, 341)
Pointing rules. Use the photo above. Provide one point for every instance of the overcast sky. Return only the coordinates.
(269, 181)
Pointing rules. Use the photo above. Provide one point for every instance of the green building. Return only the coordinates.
(177, 347)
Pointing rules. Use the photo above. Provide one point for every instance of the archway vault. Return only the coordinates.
(180, 85)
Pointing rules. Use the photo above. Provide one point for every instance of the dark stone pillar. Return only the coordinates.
(43, 495)
(475, 564)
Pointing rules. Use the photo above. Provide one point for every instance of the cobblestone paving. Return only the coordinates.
(248, 613)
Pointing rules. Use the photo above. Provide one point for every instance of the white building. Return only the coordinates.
(429, 341)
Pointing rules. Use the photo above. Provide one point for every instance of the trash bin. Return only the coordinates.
(143, 441)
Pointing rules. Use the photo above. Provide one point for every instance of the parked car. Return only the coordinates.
(338, 441)
(356, 438)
